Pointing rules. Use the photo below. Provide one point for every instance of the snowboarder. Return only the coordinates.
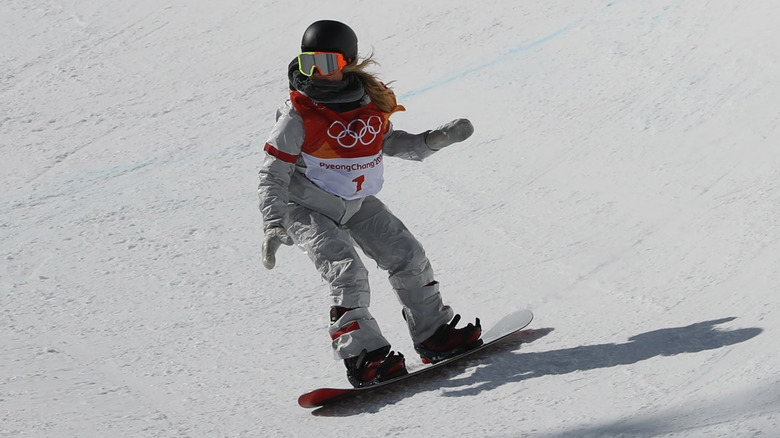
(318, 182)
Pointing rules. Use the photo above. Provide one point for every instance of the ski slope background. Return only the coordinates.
(623, 182)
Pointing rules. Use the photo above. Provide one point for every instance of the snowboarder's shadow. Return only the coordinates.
(503, 365)
(508, 368)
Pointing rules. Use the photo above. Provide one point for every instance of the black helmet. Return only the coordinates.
(330, 36)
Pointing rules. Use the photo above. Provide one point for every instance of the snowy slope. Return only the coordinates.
(623, 182)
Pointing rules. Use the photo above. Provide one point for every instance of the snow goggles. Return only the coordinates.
(326, 63)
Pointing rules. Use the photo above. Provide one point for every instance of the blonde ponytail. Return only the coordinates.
(380, 94)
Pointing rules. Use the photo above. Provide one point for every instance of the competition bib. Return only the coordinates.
(343, 151)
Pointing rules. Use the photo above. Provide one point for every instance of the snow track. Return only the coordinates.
(623, 182)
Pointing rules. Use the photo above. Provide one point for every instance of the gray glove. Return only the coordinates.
(275, 236)
(445, 135)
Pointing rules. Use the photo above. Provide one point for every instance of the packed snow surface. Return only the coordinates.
(623, 182)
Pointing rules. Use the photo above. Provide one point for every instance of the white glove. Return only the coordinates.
(275, 236)
(452, 132)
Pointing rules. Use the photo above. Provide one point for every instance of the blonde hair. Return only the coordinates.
(380, 94)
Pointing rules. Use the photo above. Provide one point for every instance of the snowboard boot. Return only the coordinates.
(449, 341)
(370, 368)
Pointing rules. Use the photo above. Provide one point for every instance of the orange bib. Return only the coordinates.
(343, 151)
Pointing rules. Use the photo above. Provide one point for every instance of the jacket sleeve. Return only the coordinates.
(401, 144)
(282, 150)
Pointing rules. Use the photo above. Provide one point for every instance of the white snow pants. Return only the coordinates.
(385, 239)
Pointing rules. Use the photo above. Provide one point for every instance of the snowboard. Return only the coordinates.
(507, 326)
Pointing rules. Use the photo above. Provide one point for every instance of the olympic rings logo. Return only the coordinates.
(356, 131)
